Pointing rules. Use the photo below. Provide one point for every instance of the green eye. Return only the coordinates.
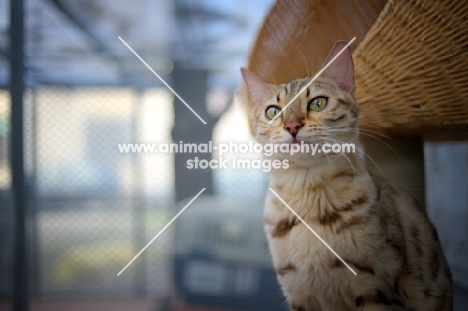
(317, 104)
(272, 111)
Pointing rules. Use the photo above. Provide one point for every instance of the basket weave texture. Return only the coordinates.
(411, 57)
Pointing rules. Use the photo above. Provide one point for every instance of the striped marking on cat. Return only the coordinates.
(329, 218)
(434, 264)
(352, 108)
(286, 269)
(283, 227)
(361, 267)
(442, 304)
(416, 241)
(397, 247)
(344, 173)
(315, 187)
(379, 298)
(352, 222)
(354, 202)
(312, 230)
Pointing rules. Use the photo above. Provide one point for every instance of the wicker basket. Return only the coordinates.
(411, 56)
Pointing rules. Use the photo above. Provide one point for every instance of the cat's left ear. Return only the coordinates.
(341, 70)
(258, 89)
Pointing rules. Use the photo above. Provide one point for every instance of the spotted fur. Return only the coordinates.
(372, 224)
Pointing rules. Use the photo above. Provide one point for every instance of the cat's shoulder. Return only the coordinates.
(392, 196)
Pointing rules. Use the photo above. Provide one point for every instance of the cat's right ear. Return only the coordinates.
(257, 88)
(341, 70)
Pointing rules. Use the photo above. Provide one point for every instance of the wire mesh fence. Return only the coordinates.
(91, 206)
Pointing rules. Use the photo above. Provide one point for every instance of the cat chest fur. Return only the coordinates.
(338, 207)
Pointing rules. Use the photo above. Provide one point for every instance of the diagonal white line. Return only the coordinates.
(313, 79)
(312, 230)
(159, 77)
(162, 230)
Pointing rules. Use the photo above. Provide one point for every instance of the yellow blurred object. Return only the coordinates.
(90, 261)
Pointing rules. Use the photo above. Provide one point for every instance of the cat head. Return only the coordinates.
(325, 112)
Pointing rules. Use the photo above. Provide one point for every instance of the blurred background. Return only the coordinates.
(87, 209)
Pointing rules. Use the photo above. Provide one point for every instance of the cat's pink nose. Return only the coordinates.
(293, 127)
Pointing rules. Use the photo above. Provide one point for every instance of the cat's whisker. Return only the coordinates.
(352, 131)
(372, 160)
(362, 152)
(366, 125)
(345, 124)
(374, 132)
(347, 159)
(272, 78)
(328, 159)
(351, 120)
(304, 59)
(386, 144)
(341, 126)
(363, 133)
(350, 163)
